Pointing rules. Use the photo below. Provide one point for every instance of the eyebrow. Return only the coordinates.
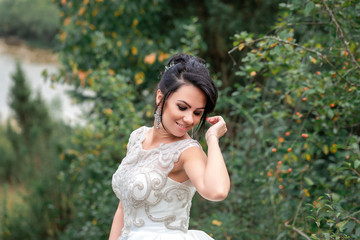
(189, 104)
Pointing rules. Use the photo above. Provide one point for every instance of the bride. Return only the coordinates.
(164, 166)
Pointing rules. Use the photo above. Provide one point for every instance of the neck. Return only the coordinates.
(161, 135)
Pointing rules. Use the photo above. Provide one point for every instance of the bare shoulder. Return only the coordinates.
(193, 153)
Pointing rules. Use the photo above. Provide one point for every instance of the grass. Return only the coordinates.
(11, 201)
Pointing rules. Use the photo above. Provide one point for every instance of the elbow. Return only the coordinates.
(219, 195)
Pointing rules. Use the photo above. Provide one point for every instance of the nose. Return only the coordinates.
(188, 119)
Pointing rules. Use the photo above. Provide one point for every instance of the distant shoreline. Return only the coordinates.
(21, 50)
(33, 62)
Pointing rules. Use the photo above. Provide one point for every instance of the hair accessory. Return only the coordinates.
(170, 66)
(157, 118)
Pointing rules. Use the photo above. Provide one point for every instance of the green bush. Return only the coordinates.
(32, 167)
(295, 111)
(290, 100)
(116, 49)
(36, 21)
(7, 162)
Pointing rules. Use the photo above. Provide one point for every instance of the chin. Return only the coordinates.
(180, 131)
(178, 134)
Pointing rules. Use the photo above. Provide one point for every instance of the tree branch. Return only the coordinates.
(297, 230)
(356, 172)
(319, 54)
(342, 35)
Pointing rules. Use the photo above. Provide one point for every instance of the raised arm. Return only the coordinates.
(208, 173)
(118, 223)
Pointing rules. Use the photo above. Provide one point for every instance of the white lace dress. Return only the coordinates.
(155, 206)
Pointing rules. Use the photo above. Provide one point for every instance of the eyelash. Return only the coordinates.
(184, 108)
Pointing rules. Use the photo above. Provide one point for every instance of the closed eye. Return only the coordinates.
(181, 108)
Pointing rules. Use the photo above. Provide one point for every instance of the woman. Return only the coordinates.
(164, 166)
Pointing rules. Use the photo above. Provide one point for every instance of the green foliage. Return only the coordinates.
(36, 21)
(32, 145)
(296, 103)
(332, 220)
(291, 107)
(97, 150)
(33, 122)
(116, 49)
(8, 160)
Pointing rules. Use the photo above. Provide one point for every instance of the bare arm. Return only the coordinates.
(118, 223)
(209, 174)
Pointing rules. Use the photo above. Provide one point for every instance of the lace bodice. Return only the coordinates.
(150, 199)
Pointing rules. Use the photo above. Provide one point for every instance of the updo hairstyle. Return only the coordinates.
(183, 69)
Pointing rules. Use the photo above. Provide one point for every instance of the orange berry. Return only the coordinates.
(306, 88)
(332, 105)
(289, 149)
(298, 114)
(317, 73)
(281, 187)
(287, 133)
(304, 99)
(273, 150)
(304, 135)
(317, 117)
(346, 53)
(333, 75)
(347, 156)
(290, 170)
(279, 162)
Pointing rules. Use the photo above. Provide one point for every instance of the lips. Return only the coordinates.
(182, 127)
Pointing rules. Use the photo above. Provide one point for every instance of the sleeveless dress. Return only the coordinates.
(155, 206)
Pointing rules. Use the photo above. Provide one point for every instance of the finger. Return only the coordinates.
(213, 120)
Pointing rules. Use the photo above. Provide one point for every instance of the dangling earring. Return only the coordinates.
(157, 118)
(192, 133)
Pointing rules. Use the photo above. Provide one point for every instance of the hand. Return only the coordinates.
(218, 128)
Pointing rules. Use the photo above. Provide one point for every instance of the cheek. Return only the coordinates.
(171, 112)
(197, 119)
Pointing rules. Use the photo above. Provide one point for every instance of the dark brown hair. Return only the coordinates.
(184, 69)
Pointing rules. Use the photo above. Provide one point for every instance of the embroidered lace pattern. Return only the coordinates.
(148, 196)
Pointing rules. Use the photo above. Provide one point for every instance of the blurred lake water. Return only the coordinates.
(33, 65)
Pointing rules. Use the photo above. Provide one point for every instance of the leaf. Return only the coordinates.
(313, 60)
(327, 236)
(308, 181)
(281, 235)
(357, 163)
(309, 7)
(330, 113)
(325, 149)
(45, 74)
(350, 226)
(311, 217)
(241, 46)
(341, 225)
(357, 232)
